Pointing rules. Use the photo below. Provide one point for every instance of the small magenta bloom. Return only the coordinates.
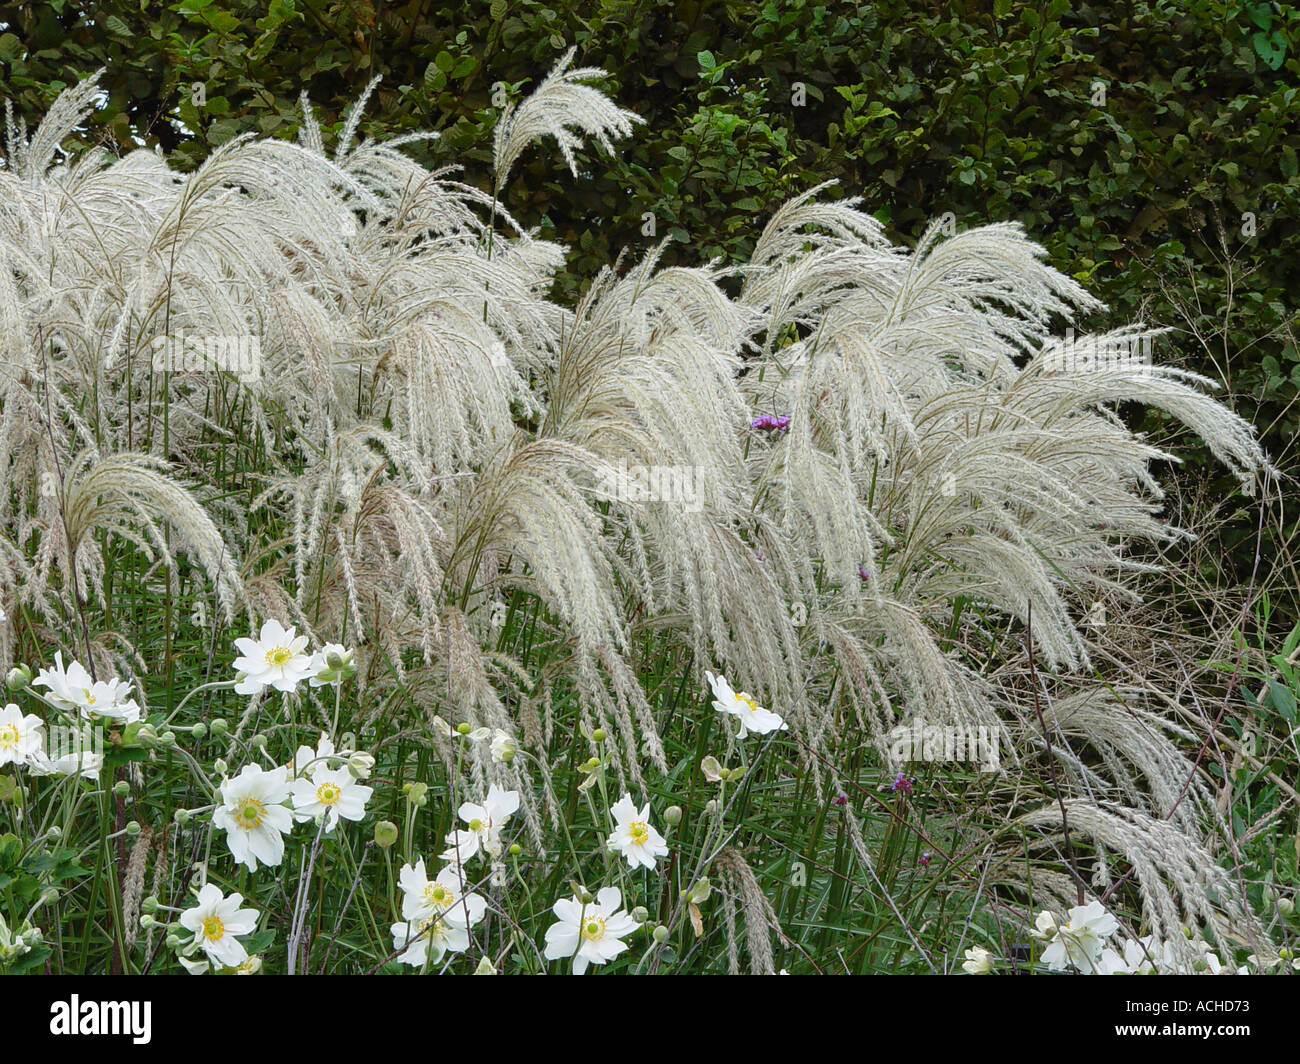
(841, 799)
(925, 859)
(770, 423)
(863, 571)
(903, 783)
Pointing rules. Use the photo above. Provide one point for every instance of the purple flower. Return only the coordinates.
(863, 571)
(770, 423)
(841, 799)
(903, 783)
(925, 859)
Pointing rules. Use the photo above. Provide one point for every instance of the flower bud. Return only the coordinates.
(673, 815)
(463, 728)
(32, 937)
(485, 967)
(199, 731)
(167, 738)
(147, 921)
(385, 834)
(173, 942)
(640, 914)
(149, 905)
(18, 677)
(147, 736)
(220, 767)
(258, 742)
(711, 807)
(335, 660)
(515, 849)
(1285, 906)
(121, 788)
(182, 817)
(360, 766)
(660, 933)
(55, 833)
(133, 828)
(598, 735)
(219, 727)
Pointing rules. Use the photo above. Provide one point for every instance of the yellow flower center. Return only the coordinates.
(8, 735)
(250, 813)
(476, 825)
(593, 927)
(748, 699)
(278, 655)
(90, 699)
(439, 896)
(328, 793)
(638, 832)
(432, 926)
(213, 928)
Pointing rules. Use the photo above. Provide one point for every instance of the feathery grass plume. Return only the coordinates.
(558, 103)
(739, 887)
(1179, 884)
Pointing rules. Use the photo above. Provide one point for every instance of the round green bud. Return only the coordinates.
(335, 660)
(660, 933)
(199, 731)
(18, 677)
(220, 767)
(711, 807)
(167, 738)
(515, 849)
(673, 814)
(147, 921)
(182, 817)
(133, 828)
(1285, 906)
(640, 914)
(598, 735)
(220, 726)
(173, 942)
(55, 833)
(121, 788)
(149, 905)
(385, 834)
(258, 742)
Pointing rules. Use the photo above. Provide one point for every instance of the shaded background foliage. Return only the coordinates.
(1136, 141)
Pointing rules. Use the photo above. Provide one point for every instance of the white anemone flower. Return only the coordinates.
(276, 658)
(742, 705)
(216, 922)
(429, 940)
(591, 933)
(21, 737)
(978, 961)
(253, 815)
(444, 896)
(75, 690)
(330, 793)
(633, 836)
(484, 823)
(81, 755)
(306, 760)
(1080, 941)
